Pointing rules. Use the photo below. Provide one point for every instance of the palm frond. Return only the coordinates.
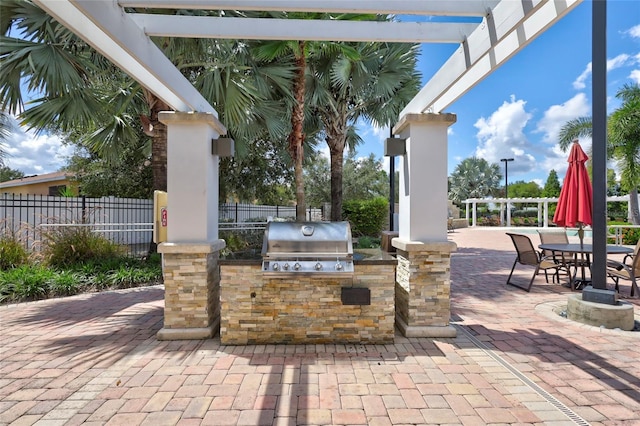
(573, 129)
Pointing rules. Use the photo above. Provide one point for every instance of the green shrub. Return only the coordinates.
(525, 213)
(367, 217)
(30, 282)
(26, 282)
(12, 253)
(241, 240)
(65, 246)
(630, 236)
(368, 242)
(234, 241)
(493, 220)
(134, 273)
(67, 283)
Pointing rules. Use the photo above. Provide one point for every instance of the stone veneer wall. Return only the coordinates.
(304, 309)
(192, 290)
(423, 285)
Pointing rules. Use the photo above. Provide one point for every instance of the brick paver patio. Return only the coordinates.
(94, 359)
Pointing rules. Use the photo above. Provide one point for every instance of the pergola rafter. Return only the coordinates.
(385, 7)
(500, 30)
(297, 29)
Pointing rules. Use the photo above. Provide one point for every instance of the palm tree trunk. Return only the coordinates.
(336, 141)
(296, 137)
(337, 157)
(633, 205)
(159, 146)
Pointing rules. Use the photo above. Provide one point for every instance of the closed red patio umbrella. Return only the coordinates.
(575, 204)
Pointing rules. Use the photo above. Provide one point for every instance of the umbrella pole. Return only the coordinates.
(581, 234)
(582, 261)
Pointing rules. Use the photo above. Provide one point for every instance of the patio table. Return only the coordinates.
(582, 249)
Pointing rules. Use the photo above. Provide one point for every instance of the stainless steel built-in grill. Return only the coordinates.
(316, 248)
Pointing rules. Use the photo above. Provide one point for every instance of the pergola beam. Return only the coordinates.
(511, 26)
(111, 32)
(300, 29)
(399, 7)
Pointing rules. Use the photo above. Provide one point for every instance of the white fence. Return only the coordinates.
(542, 207)
(239, 212)
(125, 221)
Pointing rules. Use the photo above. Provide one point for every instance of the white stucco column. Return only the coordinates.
(190, 254)
(475, 214)
(192, 176)
(423, 176)
(423, 278)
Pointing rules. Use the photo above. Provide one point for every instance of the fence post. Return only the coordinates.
(84, 209)
(236, 219)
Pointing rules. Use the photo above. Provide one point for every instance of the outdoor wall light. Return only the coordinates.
(394, 147)
(222, 147)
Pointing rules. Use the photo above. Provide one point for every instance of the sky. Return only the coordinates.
(516, 112)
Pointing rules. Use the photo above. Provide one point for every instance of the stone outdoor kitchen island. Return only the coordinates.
(305, 309)
(193, 308)
(410, 291)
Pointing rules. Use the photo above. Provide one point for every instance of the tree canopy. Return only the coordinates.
(522, 189)
(363, 179)
(552, 185)
(474, 178)
(368, 81)
(7, 173)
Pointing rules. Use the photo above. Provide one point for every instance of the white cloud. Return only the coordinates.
(635, 76)
(36, 154)
(634, 31)
(557, 115)
(550, 124)
(619, 61)
(502, 136)
(579, 83)
(324, 152)
(381, 133)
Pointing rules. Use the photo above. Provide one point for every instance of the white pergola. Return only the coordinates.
(499, 29)
(123, 36)
(122, 32)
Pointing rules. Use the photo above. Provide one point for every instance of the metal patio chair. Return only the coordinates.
(628, 269)
(564, 258)
(527, 255)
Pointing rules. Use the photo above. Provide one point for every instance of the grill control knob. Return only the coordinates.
(285, 266)
(318, 266)
(339, 266)
(276, 267)
(297, 266)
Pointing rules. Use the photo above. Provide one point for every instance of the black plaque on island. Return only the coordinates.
(356, 296)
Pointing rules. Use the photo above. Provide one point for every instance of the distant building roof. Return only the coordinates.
(47, 177)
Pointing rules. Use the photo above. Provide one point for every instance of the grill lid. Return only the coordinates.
(314, 239)
(307, 248)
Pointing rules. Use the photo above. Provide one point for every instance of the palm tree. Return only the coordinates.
(368, 81)
(6, 127)
(301, 121)
(298, 49)
(84, 96)
(623, 144)
(474, 178)
(78, 92)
